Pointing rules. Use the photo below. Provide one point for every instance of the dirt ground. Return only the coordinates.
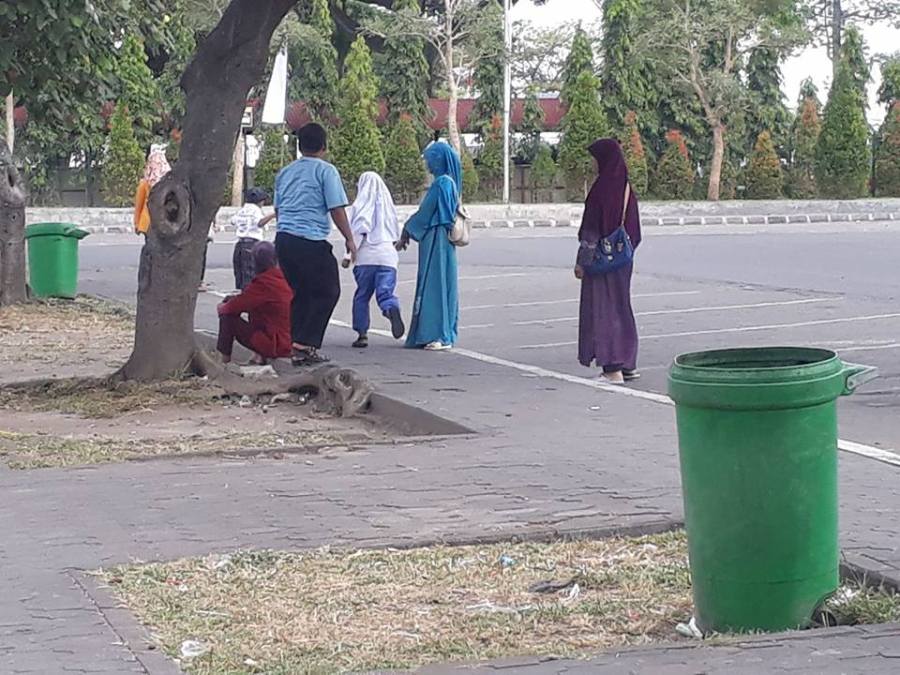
(68, 422)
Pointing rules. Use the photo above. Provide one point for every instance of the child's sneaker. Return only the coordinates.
(361, 342)
(398, 330)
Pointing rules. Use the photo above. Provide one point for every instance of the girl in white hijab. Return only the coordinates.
(373, 220)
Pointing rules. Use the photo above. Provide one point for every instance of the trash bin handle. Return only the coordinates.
(857, 376)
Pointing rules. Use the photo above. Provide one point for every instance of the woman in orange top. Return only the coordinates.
(157, 166)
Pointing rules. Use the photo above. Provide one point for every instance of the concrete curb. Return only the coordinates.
(814, 218)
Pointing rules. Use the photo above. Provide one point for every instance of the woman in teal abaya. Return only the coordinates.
(435, 314)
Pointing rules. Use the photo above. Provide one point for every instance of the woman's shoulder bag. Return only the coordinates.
(612, 252)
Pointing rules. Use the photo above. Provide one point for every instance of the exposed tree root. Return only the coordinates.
(336, 390)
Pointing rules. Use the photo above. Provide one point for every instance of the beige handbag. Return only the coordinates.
(461, 231)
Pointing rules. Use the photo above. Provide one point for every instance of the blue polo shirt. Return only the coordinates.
(305, 191)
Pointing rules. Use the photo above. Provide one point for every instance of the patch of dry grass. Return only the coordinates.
(49, 330)
(28, 451)
(324, 612)
(102, 398)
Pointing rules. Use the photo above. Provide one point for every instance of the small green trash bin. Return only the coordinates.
(53, 259)
(757, 432)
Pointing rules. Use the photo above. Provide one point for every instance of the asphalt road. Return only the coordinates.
(694, 289)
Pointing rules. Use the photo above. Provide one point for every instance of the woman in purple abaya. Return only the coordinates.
(607, 333)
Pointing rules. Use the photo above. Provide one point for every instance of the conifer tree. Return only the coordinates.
(356, 147)
(404, 169)
(842, 151)
(579, 60)
(532, 125)
(805, 137)
(764, 177)
(583, 124)
(635, 155)
(542, 177)
(470, 177)
(887, 159)
(674, 177)
(124, 160)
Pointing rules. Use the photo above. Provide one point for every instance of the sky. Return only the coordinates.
(881, 39)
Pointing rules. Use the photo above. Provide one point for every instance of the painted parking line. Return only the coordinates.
(869, 348)
(741, 329)
(879, 454)
(541, 303)
(692, 310)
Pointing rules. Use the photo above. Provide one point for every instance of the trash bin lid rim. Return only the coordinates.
(717, 360)
(54, 230)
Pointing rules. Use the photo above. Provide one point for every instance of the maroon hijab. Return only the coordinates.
(604, 203)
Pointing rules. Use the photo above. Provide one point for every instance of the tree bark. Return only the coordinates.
(718, 159)
(12, 231)
(183, 205)
(453, 89)
(837, 36)
(237, 172)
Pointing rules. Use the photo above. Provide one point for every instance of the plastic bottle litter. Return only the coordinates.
(507, 561)
(191, 649)
(689, 629)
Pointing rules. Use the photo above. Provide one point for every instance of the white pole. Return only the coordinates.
(507, 96)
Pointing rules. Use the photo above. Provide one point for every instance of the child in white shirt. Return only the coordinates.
(249, 224)
(373, 220)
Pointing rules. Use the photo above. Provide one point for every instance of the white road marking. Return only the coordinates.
(741, 329)
(869, 348)
(878, 454)
(540, 303)
(691, 310)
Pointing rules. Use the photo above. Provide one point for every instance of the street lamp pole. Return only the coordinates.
(507, 96)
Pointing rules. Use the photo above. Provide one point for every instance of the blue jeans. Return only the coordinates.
(377, 280)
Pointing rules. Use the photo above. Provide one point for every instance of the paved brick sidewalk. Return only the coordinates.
(549, 457)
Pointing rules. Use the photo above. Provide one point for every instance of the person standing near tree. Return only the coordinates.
(307, 192)
(157, 166)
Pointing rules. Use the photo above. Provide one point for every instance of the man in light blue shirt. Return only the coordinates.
(309, 194)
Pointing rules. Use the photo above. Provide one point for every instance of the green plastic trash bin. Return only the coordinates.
(53, 259)
(757, 431)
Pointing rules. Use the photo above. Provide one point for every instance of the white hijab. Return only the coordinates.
(374, 215)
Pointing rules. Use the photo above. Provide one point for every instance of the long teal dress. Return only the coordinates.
(435, 314)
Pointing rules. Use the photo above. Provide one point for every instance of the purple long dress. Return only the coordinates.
(607, 332)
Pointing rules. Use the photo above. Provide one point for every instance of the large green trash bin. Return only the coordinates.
(757, 432)
(53, 259)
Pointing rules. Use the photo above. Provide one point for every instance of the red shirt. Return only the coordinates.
(267, 302)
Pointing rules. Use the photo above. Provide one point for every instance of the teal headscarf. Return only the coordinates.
(443, 162)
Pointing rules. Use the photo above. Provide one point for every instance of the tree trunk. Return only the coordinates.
(237, 171)
(12, 231)
(718, 159)
(837, 36)
(453, 89)
(11, 122)
(183, 205)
